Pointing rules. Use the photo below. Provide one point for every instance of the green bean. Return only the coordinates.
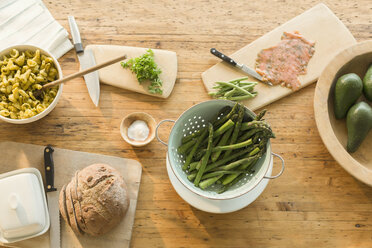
(236, 87)
(241, 98)
(238, 79)
(206, 156)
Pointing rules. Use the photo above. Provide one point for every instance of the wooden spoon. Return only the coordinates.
(38, 93)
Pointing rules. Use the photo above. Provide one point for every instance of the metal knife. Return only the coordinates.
(86, 59)
(52, 196)
(242, 67)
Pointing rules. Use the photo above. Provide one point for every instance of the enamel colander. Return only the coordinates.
(192, 120)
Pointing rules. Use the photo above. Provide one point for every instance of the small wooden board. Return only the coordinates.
(317, 24)
(117, 76)
(17, 155)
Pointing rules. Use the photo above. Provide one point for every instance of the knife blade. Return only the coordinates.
(86, 59)
(242, 67)
(52, 198)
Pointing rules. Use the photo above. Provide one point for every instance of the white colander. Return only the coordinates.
(192, 120)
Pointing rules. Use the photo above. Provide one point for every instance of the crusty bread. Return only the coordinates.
(104, 198)
(95, 200)
(76, 203)
(62, 204)
(72, 214)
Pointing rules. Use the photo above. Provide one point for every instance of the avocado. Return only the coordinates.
(367, 84)
(358, 123)
(348, 89)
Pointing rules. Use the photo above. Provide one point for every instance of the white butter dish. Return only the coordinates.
(23, 207)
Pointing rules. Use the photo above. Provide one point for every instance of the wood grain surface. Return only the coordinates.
(316, 203)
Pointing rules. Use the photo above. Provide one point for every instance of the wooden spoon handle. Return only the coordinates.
(83, 72)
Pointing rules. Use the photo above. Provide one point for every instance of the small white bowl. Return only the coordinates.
(129, 119)
(59, 93)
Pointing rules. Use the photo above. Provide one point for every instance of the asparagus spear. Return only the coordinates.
(195, 147)
(222, 142)
(226, 187)
(185, 147)
(233, 146)
(235, 164)
(226, 126)
(236, 129)
(208, 182)
(226, 117)
(218, 173)
(206, 156)
(230, 178)
(224, 111)
(228, 159)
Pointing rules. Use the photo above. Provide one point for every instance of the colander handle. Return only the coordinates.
(281, 171)
(156, 131)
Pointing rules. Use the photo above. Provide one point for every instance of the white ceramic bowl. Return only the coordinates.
(59, 93)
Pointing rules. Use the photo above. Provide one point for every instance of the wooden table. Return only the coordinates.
(314, 204)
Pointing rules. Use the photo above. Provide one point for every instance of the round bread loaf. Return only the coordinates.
(99, 197)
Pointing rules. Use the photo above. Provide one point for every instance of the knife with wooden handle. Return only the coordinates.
(52, 196)
(242, 67)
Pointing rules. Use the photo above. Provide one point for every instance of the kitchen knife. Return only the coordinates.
(52, 196)
(86, 59)
(242, 67)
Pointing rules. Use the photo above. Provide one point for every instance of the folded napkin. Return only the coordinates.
(30, 22)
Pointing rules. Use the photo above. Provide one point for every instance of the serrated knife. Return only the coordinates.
(52, 197)
(242, 67)
(86, 59)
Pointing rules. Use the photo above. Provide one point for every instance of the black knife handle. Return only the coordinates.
(49, 168)
(222, 56)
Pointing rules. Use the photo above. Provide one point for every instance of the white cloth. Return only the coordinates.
(30, 22)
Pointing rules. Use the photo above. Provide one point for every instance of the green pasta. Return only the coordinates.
(20, 74)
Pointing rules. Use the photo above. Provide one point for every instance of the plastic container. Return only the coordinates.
(23, 208)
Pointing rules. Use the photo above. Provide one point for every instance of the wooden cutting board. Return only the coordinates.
(318, 24)
(116, 75)
(66, 162)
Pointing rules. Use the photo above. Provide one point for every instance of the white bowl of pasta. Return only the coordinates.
(23, 70)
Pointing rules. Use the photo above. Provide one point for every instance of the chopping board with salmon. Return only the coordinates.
(318, 26)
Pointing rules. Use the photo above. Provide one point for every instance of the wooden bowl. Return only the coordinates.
(129, 119)
(333, 132)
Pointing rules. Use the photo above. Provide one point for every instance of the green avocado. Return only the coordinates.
(348, 89)
(367, 84)
(358, 122)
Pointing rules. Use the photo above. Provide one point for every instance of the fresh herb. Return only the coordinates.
(145, 68)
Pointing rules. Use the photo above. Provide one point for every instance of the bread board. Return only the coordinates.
(317, 24)
(117, 76)
(18, 155)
